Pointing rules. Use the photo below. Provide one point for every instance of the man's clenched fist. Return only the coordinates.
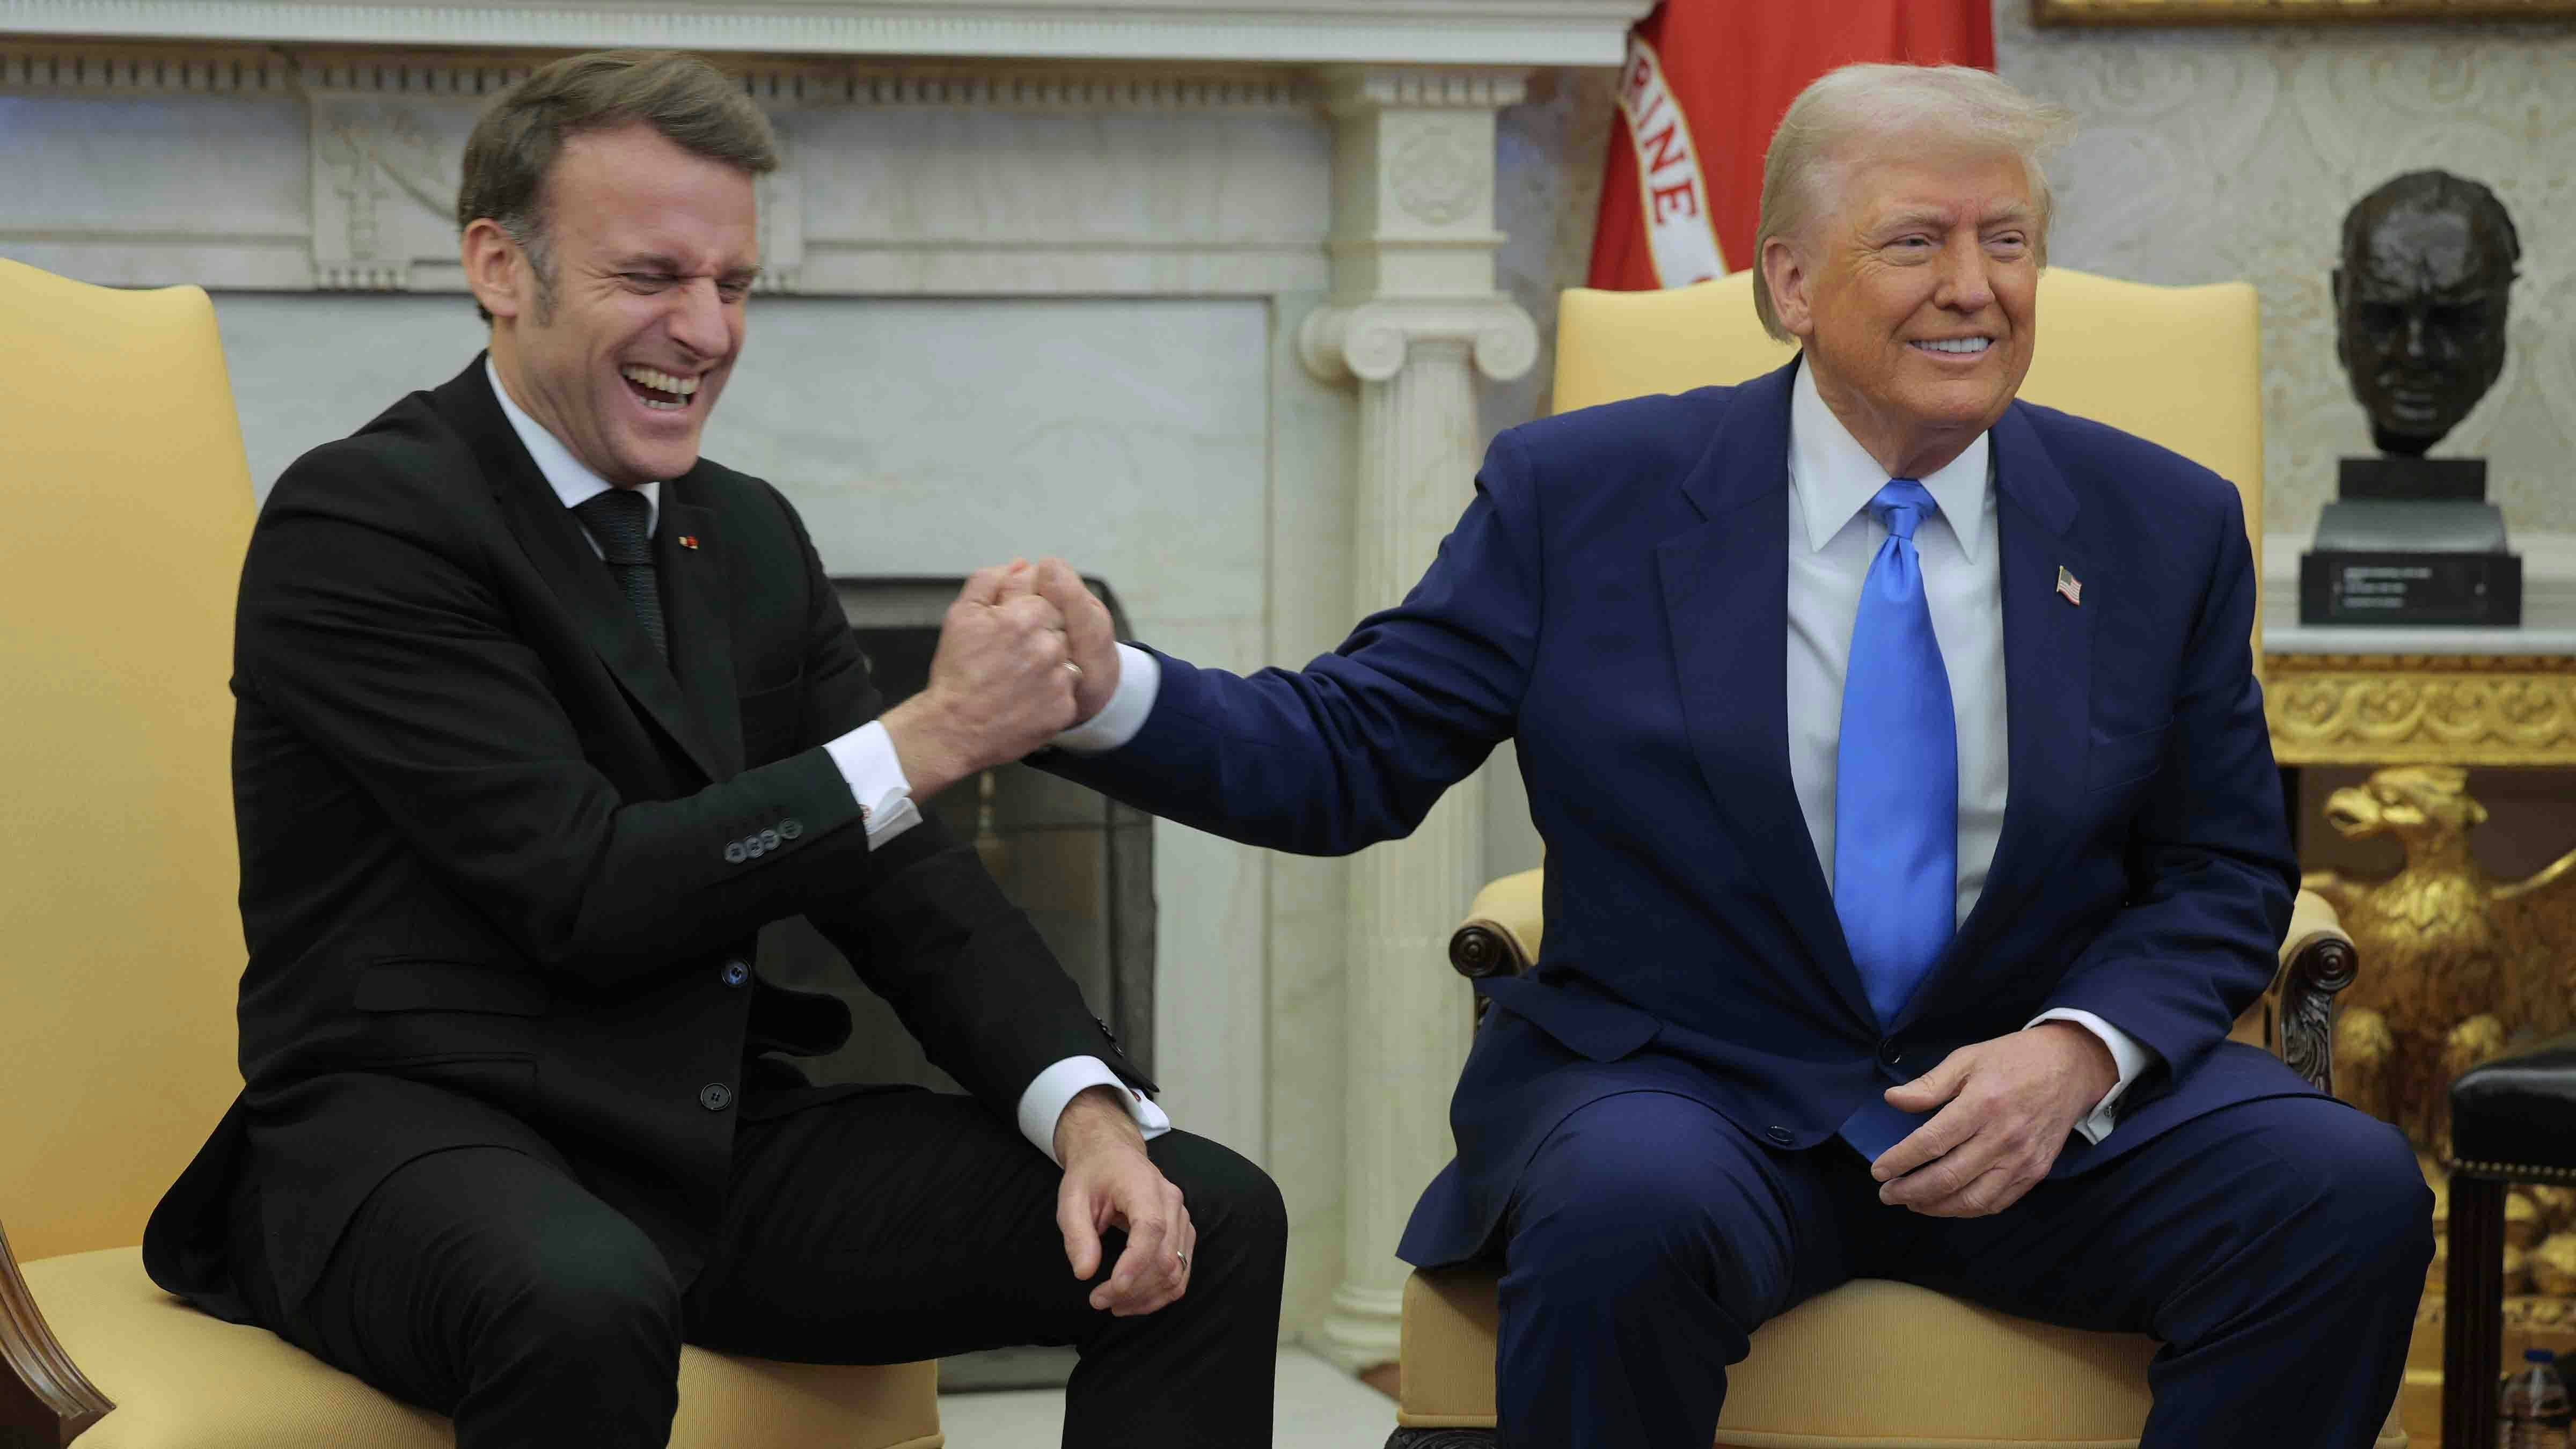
(999, 685)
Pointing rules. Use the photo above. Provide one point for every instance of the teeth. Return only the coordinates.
(684, 386)
(1958, 344)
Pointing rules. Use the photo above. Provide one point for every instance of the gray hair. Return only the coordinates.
(1933, 110)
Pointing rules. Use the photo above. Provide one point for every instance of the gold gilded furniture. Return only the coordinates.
(1942, 1372)
(2332, 703)
(2463, 965)
(128, 502)
(2432, 704)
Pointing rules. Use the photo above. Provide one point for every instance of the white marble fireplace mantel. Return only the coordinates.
(1410, 32)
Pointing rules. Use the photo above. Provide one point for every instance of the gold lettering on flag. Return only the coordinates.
(1679, 233)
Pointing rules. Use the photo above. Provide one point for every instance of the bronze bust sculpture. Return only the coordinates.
(2428, 265)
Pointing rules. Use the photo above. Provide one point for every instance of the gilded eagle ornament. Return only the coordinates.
(2461, 967)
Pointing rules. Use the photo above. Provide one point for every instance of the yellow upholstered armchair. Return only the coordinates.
(127, 506)
(2177, 365)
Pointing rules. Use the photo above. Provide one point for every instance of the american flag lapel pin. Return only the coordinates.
(690, 540)
(2066, 584)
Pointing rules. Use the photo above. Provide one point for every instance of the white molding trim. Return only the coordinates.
(1416, 32)
(127, 71)
(93, 67)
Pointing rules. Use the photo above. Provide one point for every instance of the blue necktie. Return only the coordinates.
(1896, 790)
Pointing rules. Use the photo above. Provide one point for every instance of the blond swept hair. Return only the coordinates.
(1927, 110)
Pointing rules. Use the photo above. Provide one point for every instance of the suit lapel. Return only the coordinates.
(1726, 602)
(563, 556)
(2048, 685)
(686, 555)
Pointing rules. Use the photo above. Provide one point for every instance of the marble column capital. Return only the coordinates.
(1370, 341)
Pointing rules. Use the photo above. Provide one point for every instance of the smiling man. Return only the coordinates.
(1913, 840)
(541, 717)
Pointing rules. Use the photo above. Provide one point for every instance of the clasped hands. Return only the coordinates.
(2005, 1108)
(999, 683)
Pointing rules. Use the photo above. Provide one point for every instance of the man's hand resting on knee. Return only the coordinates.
(2011, 1103)
(1109, 1182)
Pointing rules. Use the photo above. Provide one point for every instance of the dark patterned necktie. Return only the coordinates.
(617, 520)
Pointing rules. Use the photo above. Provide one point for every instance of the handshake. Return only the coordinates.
(1024, 654)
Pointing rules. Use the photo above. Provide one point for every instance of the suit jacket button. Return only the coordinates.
(735, 854)
(790, 829)
(1890, 1053)
(715, 1096)
(769, 840)
(1781, 1135)
(736, 973)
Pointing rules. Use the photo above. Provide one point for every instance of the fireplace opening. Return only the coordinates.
(1080, 864)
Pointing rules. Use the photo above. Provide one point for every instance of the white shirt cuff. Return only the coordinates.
(867, 760)
(1057, 1086)
(2127, 1053)
(1140, 678)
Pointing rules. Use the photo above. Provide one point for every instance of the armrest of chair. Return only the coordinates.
(2317, 960)
(1500, 937)
(44, 1399)
(1501, 933)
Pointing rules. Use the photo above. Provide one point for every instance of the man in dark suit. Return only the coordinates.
(1913, 839)
(541, 717)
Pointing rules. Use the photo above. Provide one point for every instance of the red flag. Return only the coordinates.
(1705, 83)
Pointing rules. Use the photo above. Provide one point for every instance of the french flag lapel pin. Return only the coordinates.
(2067, 585)
(690, 540)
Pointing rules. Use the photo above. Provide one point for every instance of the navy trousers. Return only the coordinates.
(2277, 1248)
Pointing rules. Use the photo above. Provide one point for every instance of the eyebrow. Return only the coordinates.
(2016, 214)
(657, 262)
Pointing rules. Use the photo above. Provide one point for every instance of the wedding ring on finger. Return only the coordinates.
(1073, 669)
(1181, 1258)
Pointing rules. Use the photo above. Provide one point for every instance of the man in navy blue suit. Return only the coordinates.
(1913, 840)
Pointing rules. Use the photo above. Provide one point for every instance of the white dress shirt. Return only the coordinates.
(1832, 539)
(868, 765)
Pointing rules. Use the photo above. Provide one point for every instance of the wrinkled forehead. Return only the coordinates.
(632, 191)
(1882, 181)
(2438, 252)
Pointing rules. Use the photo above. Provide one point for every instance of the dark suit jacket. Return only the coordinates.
(1615, 599)
(502, 867)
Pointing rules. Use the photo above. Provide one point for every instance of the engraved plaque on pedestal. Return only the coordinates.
(2411, 541)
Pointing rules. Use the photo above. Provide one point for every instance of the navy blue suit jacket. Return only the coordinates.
(1615, 600)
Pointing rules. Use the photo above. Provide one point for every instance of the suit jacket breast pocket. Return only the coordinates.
(773, 722)
(2125, 759)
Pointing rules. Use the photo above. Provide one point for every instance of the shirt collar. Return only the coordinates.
(572, 482)
(1836, 477)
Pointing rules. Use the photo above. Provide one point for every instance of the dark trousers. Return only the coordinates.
(2276, 1247)
(491, 1287)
